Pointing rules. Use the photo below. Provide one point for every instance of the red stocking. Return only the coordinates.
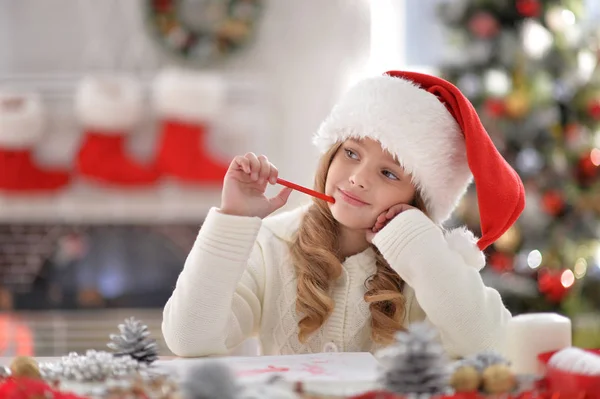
(109, 108)
(187, 102)
(21, 127)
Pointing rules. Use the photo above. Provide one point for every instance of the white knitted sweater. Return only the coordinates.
(238, 281)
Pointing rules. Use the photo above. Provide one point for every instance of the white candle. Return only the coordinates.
(529, 335)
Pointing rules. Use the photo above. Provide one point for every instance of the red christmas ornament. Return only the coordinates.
(484, 25)
(529, 8)
(553, 202)
(495, 107)
(572, 132)
(163, 5)
(550, 284)
(25, 388)
(501, 262)
(587, 170)
(593, 108)
(587, 166)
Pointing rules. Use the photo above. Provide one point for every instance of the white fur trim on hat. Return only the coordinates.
(188, 96)
(415, 127)
(464, 242)
(21, 120)
(109, 103)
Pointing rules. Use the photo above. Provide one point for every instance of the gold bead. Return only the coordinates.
(498, 378)
(518, 104)
(465, 379)
(25, 366)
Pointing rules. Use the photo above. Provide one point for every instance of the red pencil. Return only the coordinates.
(306, 190)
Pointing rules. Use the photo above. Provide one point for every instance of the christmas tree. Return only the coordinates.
(530, 67)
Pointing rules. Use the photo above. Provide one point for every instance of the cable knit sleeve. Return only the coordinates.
(217, 300)
(469, 316)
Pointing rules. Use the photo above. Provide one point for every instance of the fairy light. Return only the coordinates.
(497, 82)
(568, 17)
(595, 156)
(536, 39)
(580, 268)
(567, 278)
(534, 259)
(586, 62)
(559, 19)
(597, 138)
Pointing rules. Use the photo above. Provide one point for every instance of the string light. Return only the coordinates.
(595, 156)
(580, 268)
(497, 82)
(536, 39)
(558, 19)
(567, 278)
(534, 259)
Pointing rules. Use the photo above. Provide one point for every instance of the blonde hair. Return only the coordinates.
(317, 261)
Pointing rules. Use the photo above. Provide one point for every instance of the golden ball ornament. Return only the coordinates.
(234, 30)
(517, 104)
(465, 379)
(498, 378)
(25, 366)
(509, 241)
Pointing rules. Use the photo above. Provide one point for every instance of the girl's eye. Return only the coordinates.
(350, 154)
(389, 175)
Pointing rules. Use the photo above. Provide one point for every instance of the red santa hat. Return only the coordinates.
(437, 136)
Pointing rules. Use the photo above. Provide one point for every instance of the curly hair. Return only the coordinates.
(318, 262)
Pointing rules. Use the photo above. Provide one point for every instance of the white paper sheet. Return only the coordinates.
(331, 372)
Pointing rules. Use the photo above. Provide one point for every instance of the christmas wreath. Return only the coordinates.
(203, 31)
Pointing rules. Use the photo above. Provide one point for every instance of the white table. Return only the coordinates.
(325, 373)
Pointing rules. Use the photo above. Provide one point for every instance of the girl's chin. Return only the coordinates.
(352, 221)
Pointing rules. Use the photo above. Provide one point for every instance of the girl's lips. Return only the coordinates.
(351, 199)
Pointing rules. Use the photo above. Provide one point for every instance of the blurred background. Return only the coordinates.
(93, 231)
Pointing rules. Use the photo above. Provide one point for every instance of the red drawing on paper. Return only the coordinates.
(314, 369)
(318, 360)
(269, 369)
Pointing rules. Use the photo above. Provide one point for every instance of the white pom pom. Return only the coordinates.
(576, 360)
(464, 242)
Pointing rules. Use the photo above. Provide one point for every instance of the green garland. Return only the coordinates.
(209, 32)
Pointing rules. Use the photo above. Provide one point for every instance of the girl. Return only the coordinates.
(399, 152)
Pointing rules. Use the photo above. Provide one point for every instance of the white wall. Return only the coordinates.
(282, 87)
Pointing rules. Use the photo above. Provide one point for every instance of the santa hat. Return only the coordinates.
(437, 136)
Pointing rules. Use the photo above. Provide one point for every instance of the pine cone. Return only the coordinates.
(134, 341)
(416, 363)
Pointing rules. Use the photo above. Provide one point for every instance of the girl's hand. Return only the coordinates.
(384, 218)
(245, 184)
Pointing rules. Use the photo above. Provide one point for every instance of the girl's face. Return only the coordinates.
(365, 181)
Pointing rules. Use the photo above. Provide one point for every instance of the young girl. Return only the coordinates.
(399, 152)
